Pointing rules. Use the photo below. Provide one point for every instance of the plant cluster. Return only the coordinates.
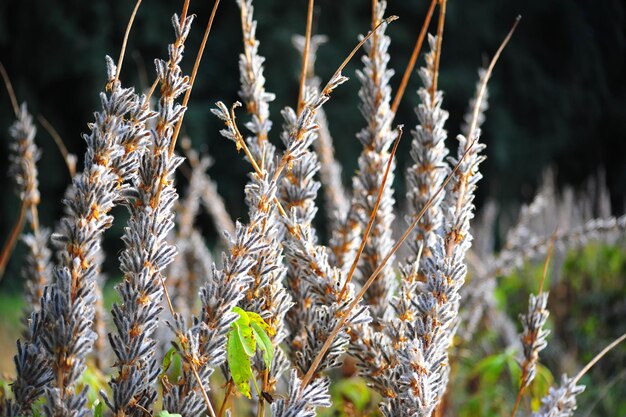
(278, 308)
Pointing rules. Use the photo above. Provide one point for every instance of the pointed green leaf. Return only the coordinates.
(255, 318)
(239, 363)
(166, 414)
(97, 409)
(167, 360)
(243, 316)
(244, 332)
(264, 343)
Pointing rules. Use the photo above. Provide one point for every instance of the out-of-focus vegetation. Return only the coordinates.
(586, 306)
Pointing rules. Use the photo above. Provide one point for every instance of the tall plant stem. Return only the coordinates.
(416, 50)
(10, 91)
(19, 225)
(194, 72)
(346, 313)
(7, 250)
(598, 357)
(327, 343)
(120, 60)
(440, 24)
(526, 364)
(372, 218)
(192, 366)
(71, 166)
(305, 56)
(170, 306)
(451, 243)
(547, 261)
(241, 143)
(229, 391)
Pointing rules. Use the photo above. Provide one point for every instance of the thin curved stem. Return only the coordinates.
(305, 56)
(372, 218)
(547, 261)
(416, 50)
(440, 24)
(479, 98)
(374, 275)
(120, 60)
(10, 91)
(598, 357)
(7, 250)
(194, 72)
(71, 166)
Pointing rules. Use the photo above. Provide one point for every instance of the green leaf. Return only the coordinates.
(255, 318)
(95, 381)
(97, 409)
(246, 337)
(246, 333)
(353, 390)
(167, 360)
(166, 414)
(243, 316)
(490, 368)
(239, 364)
(264, 343)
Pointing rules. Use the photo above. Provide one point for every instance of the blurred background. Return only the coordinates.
(557, 96)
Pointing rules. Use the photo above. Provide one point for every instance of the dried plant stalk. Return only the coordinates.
(376, 138)
(62, 336)
(147, 252)
(336, 201)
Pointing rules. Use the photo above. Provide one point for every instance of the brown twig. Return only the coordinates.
(492, 64)
(357, 47)
(372, 218)
(207, 400)
(598, 357)
(440, 24)
(194, 72)
(241, 143)
(520, 393)
(170, 306)
(416, 50)
(69, 161)
(374, 275)
(152, 89)
(528, 362)
(183, 14)
(346, 314)
(261, 408)
(305, 56)
(19, 225)
(10, 91)
(326, 90)
(192, 78)
(451, 243)
(7, 250)
(120, 61)
(192, 366)
(229, 391)
(547, 261)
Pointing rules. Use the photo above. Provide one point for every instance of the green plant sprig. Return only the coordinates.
(246, 334)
